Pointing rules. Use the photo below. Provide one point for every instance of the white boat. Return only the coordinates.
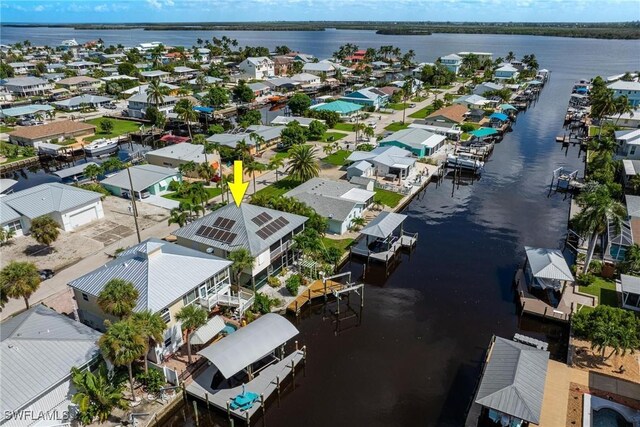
(465, 161)
(101, 146)
(70, 42)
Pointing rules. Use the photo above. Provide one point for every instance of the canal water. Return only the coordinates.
(414, 355)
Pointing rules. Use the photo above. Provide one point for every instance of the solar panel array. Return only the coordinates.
(224, 223)
(218, 234)
(272, 227)
(262, 219)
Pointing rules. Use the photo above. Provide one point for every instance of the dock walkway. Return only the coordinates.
(316, 290)
(264, 384)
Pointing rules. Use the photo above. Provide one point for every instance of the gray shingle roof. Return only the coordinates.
(143, 177)
(244, 228)
(548, 264)
(48, 198)
(162, 272)
(513, 380)
(39, 347)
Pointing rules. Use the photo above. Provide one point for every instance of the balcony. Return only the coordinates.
(242, 299)
(280, 250)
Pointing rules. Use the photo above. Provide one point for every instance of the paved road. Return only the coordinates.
(58, 283)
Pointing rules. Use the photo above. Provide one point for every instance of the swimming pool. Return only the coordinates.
(598, 412)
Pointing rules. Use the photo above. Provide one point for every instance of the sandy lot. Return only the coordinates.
(89, 239)
(589, 360)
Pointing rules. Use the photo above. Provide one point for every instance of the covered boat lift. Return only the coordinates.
(249, 361)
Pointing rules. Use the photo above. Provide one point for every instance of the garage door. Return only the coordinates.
(80, 218)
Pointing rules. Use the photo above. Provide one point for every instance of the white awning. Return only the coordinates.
(207, 331)
(247, 345)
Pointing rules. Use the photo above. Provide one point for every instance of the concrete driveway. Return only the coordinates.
(161, 202)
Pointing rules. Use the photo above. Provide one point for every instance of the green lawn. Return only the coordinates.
(418, 99)
(594, 130)
(332, 136)
(397, 105)
(387, 198)
(342, 244)
(604, 289)
(213, 192)
(465, 136)
(345, 127)
(282, 155)
(120, 127)
(422, 113)
(278, 188)
(338, 158)
(5, 129)
(396, 126)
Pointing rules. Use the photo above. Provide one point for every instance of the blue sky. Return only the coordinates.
(113, 11)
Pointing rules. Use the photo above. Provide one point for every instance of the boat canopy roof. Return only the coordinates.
(247, 345)
(383, 225)
(482, 132)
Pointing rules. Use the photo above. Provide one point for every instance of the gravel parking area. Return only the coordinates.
(84, 241)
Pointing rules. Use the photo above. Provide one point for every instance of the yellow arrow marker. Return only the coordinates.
(237, 187)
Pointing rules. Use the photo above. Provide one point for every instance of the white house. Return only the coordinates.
(453, 62)
(259, 67)
(387, 161)
(27, 86)
(138, 104)
(167, 277)
(38, 349)
(71, 207)
(628, 143)
(629, 287)
(338, 201)
(506, 72)
(306, 78)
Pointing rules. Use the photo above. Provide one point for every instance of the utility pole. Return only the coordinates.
(133, 204)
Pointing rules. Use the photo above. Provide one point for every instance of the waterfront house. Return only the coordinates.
(369, 97)
(337, 201)
(452, 61)
(80, 84)
(497, 120)
(259, 89)
(419, 142)
(285, 120)
(343, 108)
(629, 89)
(167, 277)
(56, 131)
(447, 116)
(22, 68)
(629, 120)
(472, 101)
(629, 287)
(324, 68)
(172, 156)
(451, 132)
(282, 84)
(282, 64)
(138, 104)
(27, 86)
(506, 72)
(546, 269)
(512, 385)
(628, 143)
(259, 67)
(184, 73)
(389, 162)
(147, 180)
(266, 233)
(307, 79)
(171, 89)
(78, 102)
(360, 171)
(482, 56)
(39, 348)
(71, 207)
(270, 134)
(155, 75)
(25, 110)
(482, 88)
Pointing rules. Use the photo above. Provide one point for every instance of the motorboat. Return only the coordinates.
(465, 161)
(69, 43)
(101, 146)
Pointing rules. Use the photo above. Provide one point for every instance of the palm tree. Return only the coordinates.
(97, 394)
(178, 216)
(19, 280)
(187, 168)
(187, 114)
(155, 93)
(122, 344)
(598, 210)
(45, 230)
(328, 149)
(198, 195)
(118, 298)
(191, 318)
(243, 150)
(257, 139)
(152, 327)
(275, 163)
(510, 56)
(622, 106)
(92, 172)
(631, 263)
(302, 163)
(251, 168)
(206, 171)
(242, 260)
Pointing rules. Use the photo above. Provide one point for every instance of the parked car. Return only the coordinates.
(110, 106)
(412, 105)
(45, 274)
(142, 195)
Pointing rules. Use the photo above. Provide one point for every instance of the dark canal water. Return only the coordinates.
(415, 356)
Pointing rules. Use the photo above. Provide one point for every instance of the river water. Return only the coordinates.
(415, 355)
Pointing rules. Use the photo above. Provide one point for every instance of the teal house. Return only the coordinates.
(420, 142)
(368, 97)
(343, 108)
(147, 180)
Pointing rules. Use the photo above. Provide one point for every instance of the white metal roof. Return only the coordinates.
(247, 345)
(630, 284)
(143, 177)
(358, 194)
(207, 331)
(548, 264)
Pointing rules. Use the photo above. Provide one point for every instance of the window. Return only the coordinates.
(190, 297)
(633, 150)
(85, 297)
(13, 226)
(166, 315)
(167, 342)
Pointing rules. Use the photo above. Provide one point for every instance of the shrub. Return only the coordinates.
(467, 127)
(595, 267)
(153, 380)
(274, 282)
(92, 186)
(586, 279)
(262, 303)
(293, 284)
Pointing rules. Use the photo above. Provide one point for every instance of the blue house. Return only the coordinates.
(453, 62)
(497, 120)
(507, 72)
(369, 97)
(629, 89)
(418, 141)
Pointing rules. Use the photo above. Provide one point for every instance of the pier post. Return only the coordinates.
(195, 412)
(278, 388)
(293, 374)
(248, 418)
(184, 393)
(264, 409)
(296, 345)
(206, 397)
(229, 412)
(362, 296)
(304, 360)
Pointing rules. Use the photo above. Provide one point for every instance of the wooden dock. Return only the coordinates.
(531, 304)
(324, 288)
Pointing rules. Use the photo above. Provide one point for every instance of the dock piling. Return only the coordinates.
(229, 412)
(248, 418)
(195, 412)
(278, 388)
(264, 409)
(293, 374)
(206, 397)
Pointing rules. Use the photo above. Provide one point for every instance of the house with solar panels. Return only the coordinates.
(266, 233)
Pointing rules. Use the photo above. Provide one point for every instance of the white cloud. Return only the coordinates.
(154, 4)
(101, 8)
(38, 8)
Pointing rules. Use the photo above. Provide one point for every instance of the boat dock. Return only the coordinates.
(324, 288)
(531, 304)
(405, 241)
(269, 381)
